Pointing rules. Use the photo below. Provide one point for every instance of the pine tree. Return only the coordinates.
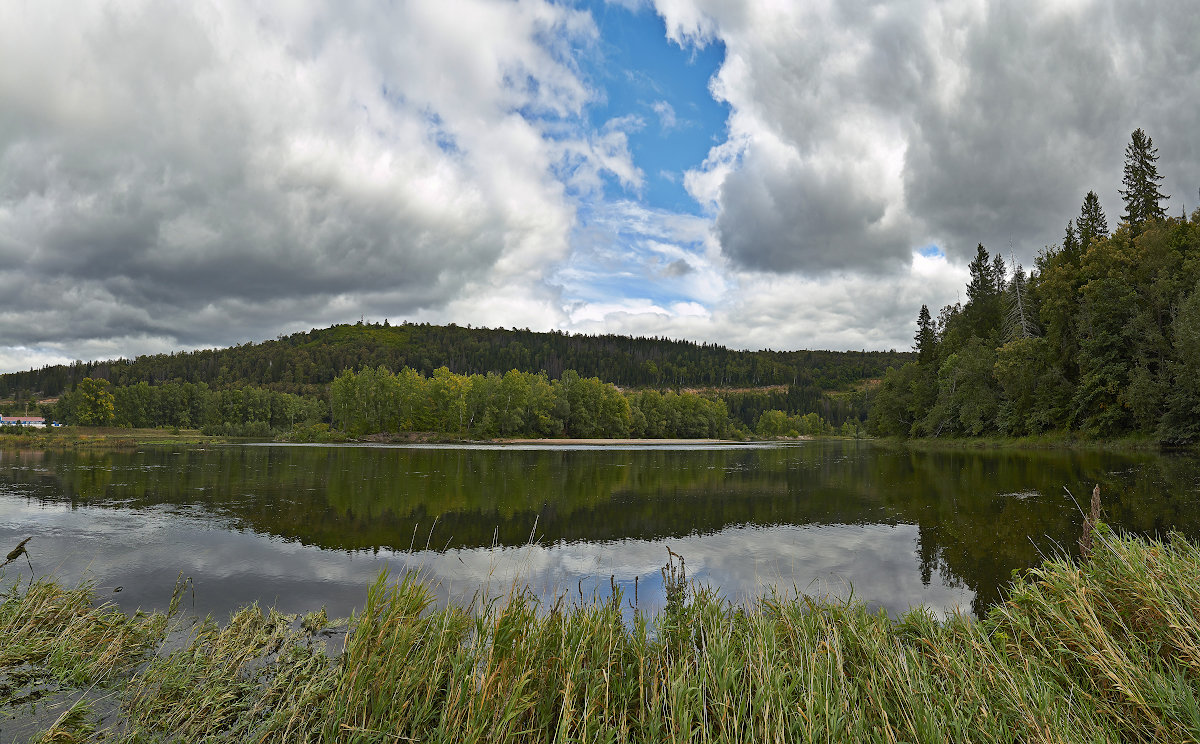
(1092, 222)
(1141, 194)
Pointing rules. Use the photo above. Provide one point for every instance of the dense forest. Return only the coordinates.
(305, 363)
(1100, 338)
(516, 404)
(377, 401)
(258, 389)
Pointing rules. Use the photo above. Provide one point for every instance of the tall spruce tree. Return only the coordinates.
(1092, 223)
(983, 298)
(926, 338)
(1071, 241)
(1143, 200)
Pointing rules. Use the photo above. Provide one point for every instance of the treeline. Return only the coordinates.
(804, 397)
(255, 412)
(779, 424)
(515, 404)
(1102, 337)
(304, 363)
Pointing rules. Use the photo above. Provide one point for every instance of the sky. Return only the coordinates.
(766, 174)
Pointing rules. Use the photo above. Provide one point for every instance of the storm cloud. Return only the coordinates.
(178, 171)
(861, 130)
(203, 174)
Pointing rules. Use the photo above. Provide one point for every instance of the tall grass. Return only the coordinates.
(1104, 650)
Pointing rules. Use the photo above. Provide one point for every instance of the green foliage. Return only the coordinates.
(1092, 223)
(516, 404)
(926, 339)
(250, 411)
(1097, 339)
(779, 424)
(304, 363)
(894, 409)
(94, 404)
(1143, 200)
(967, 399)
(1034, 394)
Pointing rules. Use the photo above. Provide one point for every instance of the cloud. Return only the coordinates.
(759, 310)
(677, 268)
(860, 130)
(666, 115)
(214, 173)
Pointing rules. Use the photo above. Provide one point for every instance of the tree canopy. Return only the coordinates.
(1099, 338)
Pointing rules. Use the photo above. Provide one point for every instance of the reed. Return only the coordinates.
(1102, 650)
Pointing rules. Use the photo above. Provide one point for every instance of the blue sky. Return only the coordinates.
(663, 88)
(756, 174)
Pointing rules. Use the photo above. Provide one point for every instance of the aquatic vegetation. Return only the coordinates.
(1103, 649)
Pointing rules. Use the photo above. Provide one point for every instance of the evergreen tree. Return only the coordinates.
(983, 299)
(981, 284)
(926, 338)
(1141, 194)
(1071, 241)
(999, 272)
(1092, 222)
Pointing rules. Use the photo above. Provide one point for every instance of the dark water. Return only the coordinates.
(303, 527)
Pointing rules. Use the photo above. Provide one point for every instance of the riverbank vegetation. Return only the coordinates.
(1101, 339)
(374, 401)
(1101, 649)
(516, 404)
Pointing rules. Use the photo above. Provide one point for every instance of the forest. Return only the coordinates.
(670, 387)
(305, 363)
(1101, 338)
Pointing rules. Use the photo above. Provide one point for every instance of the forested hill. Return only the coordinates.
(301, 361)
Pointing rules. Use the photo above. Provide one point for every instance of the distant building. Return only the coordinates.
(36, 421)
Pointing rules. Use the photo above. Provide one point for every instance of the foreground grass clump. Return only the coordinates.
(1107, 650)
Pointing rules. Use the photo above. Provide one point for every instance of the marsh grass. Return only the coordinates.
(1104, 650)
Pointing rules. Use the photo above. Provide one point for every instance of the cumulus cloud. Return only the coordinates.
(760, 310)
(210, 173)
(860, 130)
(175, 176)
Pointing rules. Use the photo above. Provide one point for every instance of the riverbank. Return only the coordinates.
(1103, 650)
(1039, 442)
(101, 437)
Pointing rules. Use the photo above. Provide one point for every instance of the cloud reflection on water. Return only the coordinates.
(145, 550)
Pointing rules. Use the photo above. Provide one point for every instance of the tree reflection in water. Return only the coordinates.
(900, 525)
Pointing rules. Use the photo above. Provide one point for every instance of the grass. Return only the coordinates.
(1102, 650)
(1047, 440)
(85, 437)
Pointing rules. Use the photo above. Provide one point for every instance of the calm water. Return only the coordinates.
(301, 527)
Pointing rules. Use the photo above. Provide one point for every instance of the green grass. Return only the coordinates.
(1106, 650)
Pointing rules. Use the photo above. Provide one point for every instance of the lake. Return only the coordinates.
(300, 527)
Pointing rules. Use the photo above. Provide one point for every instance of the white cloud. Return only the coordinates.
(666, 115)
(860, 130)
(767, 310)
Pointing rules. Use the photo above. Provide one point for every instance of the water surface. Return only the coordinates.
(301, 527)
